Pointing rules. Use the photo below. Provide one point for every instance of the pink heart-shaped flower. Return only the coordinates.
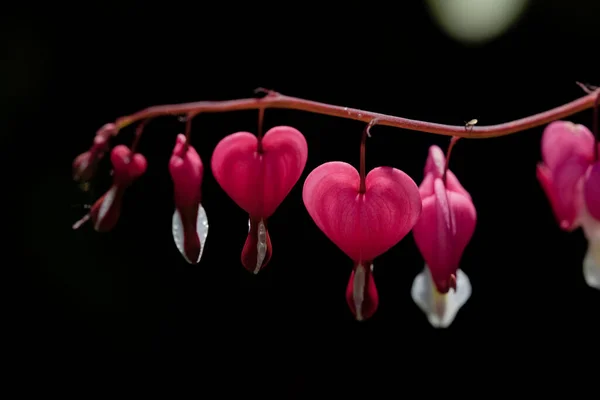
(447, 221)
(258, 183)
(363, 226)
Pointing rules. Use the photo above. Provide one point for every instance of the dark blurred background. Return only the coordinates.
(87, 306)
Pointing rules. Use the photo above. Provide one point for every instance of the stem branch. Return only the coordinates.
(275, 100)
(448, 154)
(363, 149)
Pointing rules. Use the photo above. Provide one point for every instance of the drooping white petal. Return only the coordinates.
(201, 230)
(591, 262)
(591, 267)
(440, 309)
(107, 203)
(261, 246)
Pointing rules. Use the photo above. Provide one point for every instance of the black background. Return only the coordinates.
(125, 304)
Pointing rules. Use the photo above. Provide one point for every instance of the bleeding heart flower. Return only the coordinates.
(85, 164)
(190, 225)
(363, 225)
(127, 167)
(570, 178)
(259, 182)
(446, 226)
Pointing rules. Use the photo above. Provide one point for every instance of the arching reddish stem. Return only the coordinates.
(138, 133)
(363, 149)
(448, 154)
(277, 100)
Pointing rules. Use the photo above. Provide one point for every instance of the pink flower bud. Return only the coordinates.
(190, 225)
(86, 164)
(127, 168)
(446, 224)
(567, 153)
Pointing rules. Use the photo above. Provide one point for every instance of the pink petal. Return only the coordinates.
(443, 231)
(84, 166)
(258, 183)
(592, 191)
(566, 179)
(544, 176)
(127, 166)
(186, 172)
(436, 162)
(454, 185)
(563, 140)
(434, 168)
(361, 292)
(189, 224)
(426, 186)
(363, 226)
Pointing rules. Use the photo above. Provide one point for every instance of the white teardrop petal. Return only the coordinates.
(440, 309)
(107, 203)
(591, 265)
(261, 246)
(201, 230)
(591, 262)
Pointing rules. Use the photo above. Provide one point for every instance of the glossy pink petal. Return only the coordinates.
(544, 176)
(563, 140)
(361, 292)
(434, 168)
(444, 229)
(592, 191)
(189, 226)
(127, 167)
(258, 183)
(363, 226)
(565, 188)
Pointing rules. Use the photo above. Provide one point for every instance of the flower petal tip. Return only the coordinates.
(441, 310)
(179, 234)
(591, 268)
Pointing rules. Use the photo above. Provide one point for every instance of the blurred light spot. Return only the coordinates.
(476, 21)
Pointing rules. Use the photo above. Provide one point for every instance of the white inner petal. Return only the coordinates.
(107, 202)
(591, 262)
(441, 310)
(591, 265)
(201, 230)
(261, 246)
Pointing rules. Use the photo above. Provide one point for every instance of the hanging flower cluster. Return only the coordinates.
(364, 215)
